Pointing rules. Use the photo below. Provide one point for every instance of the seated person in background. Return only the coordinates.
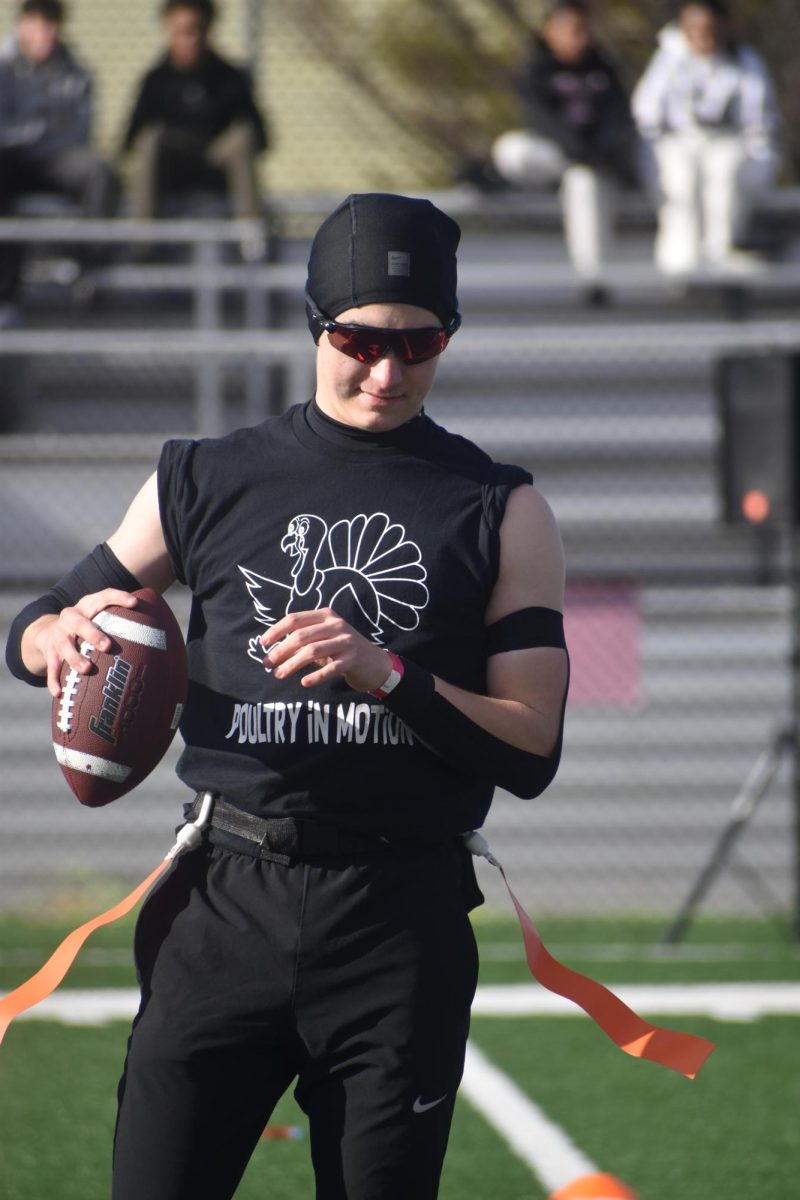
(707, 111)
(580, 133)
(45, 114)
(195, 124)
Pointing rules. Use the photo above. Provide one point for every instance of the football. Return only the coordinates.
(112, 725)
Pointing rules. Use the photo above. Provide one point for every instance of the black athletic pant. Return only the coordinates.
(353, 976)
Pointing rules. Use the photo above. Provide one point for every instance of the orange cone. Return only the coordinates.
(594, 1187)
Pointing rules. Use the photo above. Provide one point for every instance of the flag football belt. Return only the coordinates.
(682, 1052)
(281, 839)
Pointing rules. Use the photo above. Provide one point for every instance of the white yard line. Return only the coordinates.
(724, 1001)
(86, 1006)
(647, 952)
(541, 1144)
(536, 1140)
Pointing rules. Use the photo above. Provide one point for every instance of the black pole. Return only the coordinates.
(757, 783)
(751, 794)
(792, 566)
(253, 29)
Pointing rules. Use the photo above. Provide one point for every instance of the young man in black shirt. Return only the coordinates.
(195, 123)
(580, 133)
(375, 643)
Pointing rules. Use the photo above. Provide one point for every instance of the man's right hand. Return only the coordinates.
(53, 640)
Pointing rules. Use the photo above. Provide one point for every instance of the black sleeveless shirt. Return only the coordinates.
(399, 534)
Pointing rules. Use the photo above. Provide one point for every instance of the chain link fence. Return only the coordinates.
(680, 627)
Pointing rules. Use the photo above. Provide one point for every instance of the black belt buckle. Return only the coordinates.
(290, 837)
(280, 840)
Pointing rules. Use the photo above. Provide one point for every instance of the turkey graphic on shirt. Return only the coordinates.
(365, 569)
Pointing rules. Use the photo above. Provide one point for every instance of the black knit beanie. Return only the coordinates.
(378, 248)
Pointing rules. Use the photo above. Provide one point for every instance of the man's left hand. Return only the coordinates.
(321, 638)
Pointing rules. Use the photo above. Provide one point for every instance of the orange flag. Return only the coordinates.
(48, 977)
(682, 1052)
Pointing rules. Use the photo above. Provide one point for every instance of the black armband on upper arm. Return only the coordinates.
(526, 629)
(98, 570)
(457, 739)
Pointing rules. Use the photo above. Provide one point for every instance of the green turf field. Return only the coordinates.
(726, 1136)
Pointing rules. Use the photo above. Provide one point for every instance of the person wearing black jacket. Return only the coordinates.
(195, 123)
(579, 133)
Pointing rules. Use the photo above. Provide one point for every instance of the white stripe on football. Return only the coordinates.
(90, 764)
(131, 631)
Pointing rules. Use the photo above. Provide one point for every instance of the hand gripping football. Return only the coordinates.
(114, 724)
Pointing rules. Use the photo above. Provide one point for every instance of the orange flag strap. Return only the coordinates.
(682, 1052)
(48, 977)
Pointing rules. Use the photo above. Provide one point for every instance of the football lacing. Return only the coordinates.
(71, 684)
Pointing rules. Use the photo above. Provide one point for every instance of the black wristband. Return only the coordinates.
(37, 608)
(98, 570)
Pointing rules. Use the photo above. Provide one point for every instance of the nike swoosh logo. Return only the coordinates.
(419, 1107)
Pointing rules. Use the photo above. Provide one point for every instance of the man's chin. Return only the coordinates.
(384, 412)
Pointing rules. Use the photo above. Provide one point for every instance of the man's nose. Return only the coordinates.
(387, 370)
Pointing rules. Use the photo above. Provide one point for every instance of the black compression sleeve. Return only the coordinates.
(98, 570)
(452, 735)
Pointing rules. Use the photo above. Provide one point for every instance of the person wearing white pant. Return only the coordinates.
(587, 195)
(707, 112)
(580, 135)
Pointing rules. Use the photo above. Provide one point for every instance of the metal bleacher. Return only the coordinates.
(615, 411)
